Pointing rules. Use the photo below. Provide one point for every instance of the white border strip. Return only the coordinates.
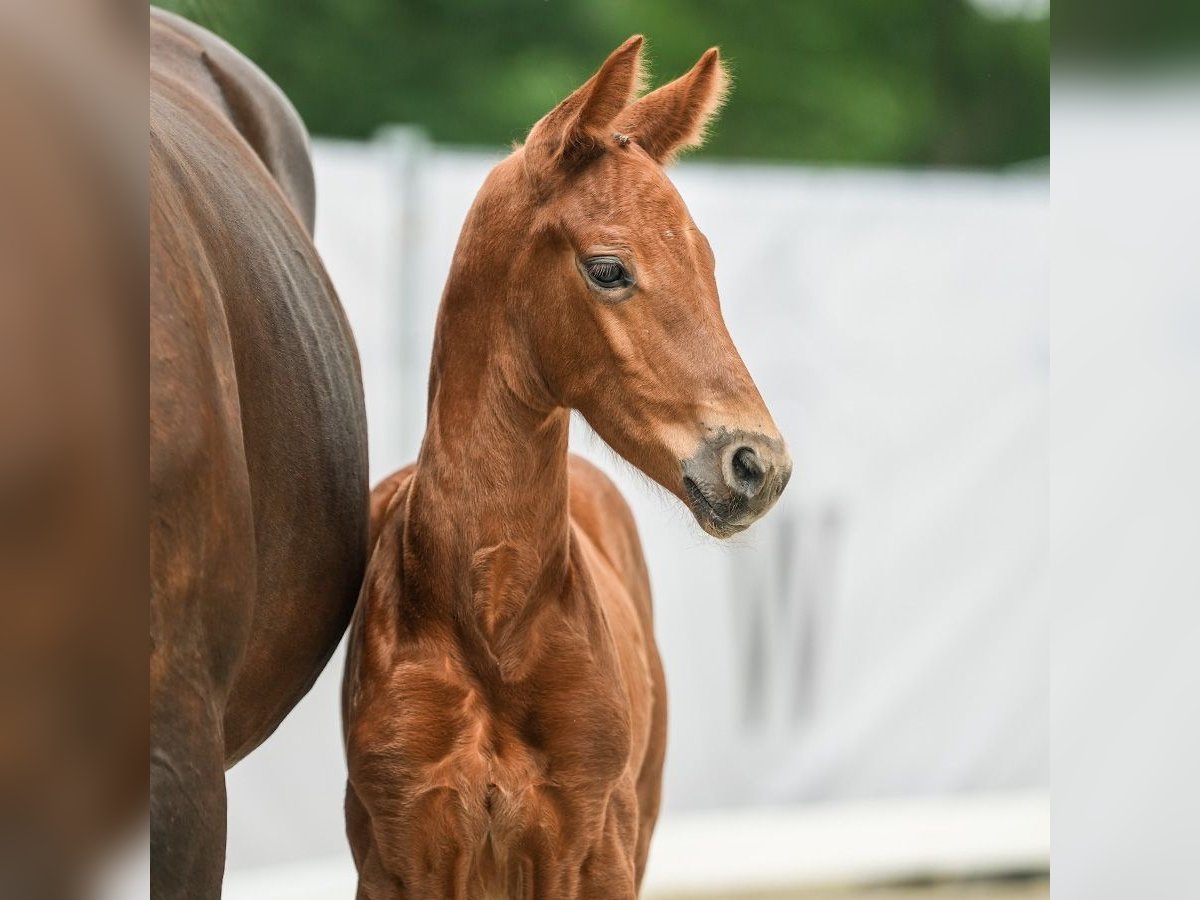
(719, 854)
(730, 852)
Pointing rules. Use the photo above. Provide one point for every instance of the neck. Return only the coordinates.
(487, 511)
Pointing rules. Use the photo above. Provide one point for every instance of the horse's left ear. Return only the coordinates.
(674, 117)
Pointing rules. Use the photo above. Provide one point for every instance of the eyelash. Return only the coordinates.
(607, 273)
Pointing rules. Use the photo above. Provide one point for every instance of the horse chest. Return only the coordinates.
(494, 772)
(568, 723)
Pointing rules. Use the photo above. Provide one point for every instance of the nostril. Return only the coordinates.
(748, 469)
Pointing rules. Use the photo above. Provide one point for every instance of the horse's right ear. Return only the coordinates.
(577, 129)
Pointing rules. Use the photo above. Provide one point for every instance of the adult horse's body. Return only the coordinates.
(504, 704)
(258, 468)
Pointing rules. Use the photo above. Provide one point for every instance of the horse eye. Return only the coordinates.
(607, 272)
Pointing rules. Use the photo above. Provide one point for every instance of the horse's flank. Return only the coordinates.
(258, 470)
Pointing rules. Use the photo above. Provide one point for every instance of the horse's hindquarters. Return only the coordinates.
(256, 308)
(203, 576)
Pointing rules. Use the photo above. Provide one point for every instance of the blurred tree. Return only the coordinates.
(911, 82)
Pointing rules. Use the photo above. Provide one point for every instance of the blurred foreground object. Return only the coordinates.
(1125, 327)
(1125, 441)
(73, 719)
(1126, 33)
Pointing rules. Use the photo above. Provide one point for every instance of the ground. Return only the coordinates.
(1031, 888)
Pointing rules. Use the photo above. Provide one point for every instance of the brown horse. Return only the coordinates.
(505, 711)
(258, 462)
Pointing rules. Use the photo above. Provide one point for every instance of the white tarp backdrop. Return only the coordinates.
(884, 631)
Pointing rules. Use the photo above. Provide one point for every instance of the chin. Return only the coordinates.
(708, 514)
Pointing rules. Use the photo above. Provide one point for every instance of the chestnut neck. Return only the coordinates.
(488, 501)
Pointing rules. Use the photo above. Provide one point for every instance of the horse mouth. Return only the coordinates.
(707, 512)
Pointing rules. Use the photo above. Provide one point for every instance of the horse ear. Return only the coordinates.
(674, 117)
(577, 129)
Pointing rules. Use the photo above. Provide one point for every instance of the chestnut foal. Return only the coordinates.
(504, 704)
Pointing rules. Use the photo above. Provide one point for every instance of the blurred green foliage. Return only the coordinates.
(911, 82)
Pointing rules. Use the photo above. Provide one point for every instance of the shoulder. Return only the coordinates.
(589, 477)
(599, 509)
(592, 488)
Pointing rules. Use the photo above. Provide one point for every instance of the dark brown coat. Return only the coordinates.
(258, 453)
